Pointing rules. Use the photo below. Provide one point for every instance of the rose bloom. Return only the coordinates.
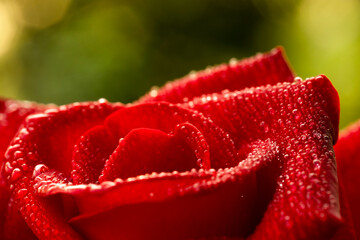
(238, 151)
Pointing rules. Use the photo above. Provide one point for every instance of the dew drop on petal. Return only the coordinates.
(8, 168)
(21, 193)
(40, 168)
(16, 173)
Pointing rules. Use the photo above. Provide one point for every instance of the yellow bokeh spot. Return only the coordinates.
(41, 13)
(8, 28)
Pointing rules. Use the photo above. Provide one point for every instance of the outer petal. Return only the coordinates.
(4, 198)
(262, 69)
(302, 117)
(347, 230)
(46, 139)
(12, 114)
(255, 113)
(15, 227)
(348, 159)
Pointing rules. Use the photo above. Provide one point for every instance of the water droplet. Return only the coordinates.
(16, 173)
(21, 193)
(297, 79)
(300, 101)
(40, 168)
(192, 74)
(297, 114)
(281, 122)
(8, 167)
(18, 154)
(233, 62)
(154, 91)
(264, 126)
(102, 100)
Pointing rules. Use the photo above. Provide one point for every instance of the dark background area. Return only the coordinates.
(62, 51)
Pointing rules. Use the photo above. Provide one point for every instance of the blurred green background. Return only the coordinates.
(62, 51)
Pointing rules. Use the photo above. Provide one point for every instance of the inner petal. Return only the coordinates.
(196, 140)
(90, 154)
(149, 150)
(166, 117)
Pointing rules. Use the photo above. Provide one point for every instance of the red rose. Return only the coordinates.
(253, 163)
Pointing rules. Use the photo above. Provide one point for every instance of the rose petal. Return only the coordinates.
(262, 69)
(161, 186)
(90, 154)
(189, 204)
(348, 159)
(346, 230)
(12, 114)
(219, 212)
(148, 150)
(255, 113)
(62, 128)
(4, 198)
(302, 117)
(48, 139)
(166, 117)
(197, 142)
(15, 227)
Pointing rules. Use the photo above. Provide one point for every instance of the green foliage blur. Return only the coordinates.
(62, 51)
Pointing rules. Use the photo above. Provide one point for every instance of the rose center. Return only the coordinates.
(144, 151)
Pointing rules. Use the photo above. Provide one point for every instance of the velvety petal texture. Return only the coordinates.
(262, 69)
(46, 142)
(304, 124)
(90, 154)
(12, 114)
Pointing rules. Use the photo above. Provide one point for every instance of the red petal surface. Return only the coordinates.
(90, 154)
(63, 128)
(4, 198)
(166, 117)
(262, 69)
(12, 114)
(197, 142)
(302, 117)
(347, 230)
(15, 227)
(48, 139)
(148, 150)
(256, 113)
(189, 204)
(348, 159)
